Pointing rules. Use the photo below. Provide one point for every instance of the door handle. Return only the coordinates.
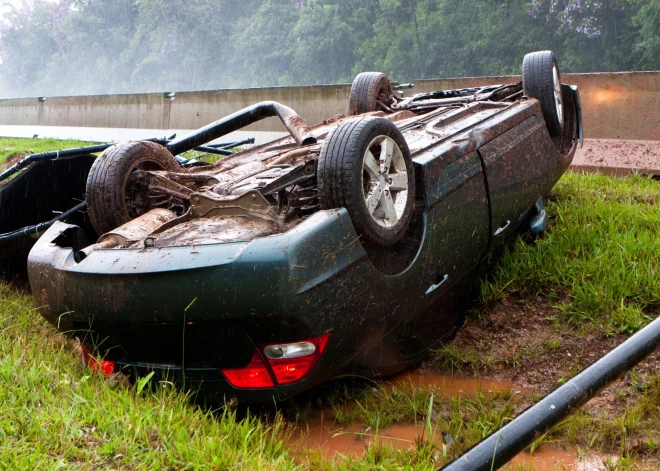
(502, 228)
(432, 288)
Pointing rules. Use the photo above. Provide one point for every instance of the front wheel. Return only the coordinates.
(365, 166)
(541, 80)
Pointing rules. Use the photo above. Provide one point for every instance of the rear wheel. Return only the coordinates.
(116, 189)
(365, 166)
(541, 80)
(369, 92)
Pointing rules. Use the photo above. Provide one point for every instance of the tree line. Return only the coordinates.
(74, 47)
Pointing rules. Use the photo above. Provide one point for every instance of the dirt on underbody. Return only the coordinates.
(523, 339)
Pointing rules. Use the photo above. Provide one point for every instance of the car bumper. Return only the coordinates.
(210, 304)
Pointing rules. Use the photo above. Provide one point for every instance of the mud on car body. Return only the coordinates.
(351, 246)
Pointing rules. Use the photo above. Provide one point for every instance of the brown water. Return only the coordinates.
(321, 432)
(448, 385)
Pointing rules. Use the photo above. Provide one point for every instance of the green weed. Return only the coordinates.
(17, 147)
(55, 414)
(602, 251)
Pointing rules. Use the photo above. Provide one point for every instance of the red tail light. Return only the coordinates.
(104, 367)
(288, 363)
(291, 362)
(254, 375)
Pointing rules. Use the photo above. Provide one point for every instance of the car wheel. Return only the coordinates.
(541, 80)
(365, 166)
(369, 91)
(115, 192)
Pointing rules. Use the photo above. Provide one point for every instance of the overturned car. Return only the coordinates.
(347, 247)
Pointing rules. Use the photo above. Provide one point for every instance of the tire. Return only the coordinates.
(108, 182)
(346, 180)
(541, 80)
(367, 90)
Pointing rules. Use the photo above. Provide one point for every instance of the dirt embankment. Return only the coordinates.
(11, 160)
(522, 339)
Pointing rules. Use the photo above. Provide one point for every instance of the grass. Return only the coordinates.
(54, 414)
(601, 258)
(633, 432)
(12, 147)
(598, 263)
(459, 421)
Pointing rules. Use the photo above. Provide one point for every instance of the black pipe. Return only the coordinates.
(294, 124)
(502, 445)
(229, 145)
(52, 155)
(213, 150)
(56, 154)
(28, 230)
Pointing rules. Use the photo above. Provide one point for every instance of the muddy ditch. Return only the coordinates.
(515, 352)
(522, 339)
(323, 433)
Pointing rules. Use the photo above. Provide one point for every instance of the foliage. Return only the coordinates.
(600, 257)
(55, 415)
(13, 149)
(74, 47)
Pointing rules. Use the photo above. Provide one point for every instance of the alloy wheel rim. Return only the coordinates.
(557, 93)
(385, 181)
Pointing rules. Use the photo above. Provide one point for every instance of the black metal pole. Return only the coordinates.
(56, 154)
(29, 230)
(501, 446)
(213, 150)
(52, 155)
(229, 145)
(294, 124)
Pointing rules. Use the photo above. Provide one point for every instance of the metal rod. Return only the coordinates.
(52, 155)
(213, 150)
(294, 124)
(28, 230)
(56, 154)
(502, 445)
(229, 145)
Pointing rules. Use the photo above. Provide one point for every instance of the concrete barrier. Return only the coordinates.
(188, 110)
(621, 105)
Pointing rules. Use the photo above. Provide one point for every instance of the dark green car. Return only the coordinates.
(348, 247)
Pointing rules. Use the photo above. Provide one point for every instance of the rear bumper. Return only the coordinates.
(206, 307)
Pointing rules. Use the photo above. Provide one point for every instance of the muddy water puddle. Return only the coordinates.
(449, 386)
(321, 432)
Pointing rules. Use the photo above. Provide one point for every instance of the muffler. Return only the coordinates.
(126, 234)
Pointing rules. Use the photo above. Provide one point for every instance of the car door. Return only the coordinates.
(517, 169)
(457, 236)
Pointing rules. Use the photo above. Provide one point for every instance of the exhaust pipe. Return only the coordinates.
(132, 231)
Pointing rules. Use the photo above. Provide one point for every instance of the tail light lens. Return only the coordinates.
(285, 362)
(291, 362)
(104, 367)
(254, 375)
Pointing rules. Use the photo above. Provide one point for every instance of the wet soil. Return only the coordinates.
(618, 157)
(11, 161)
(321, 432)
(520, 340)
(518, 345)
